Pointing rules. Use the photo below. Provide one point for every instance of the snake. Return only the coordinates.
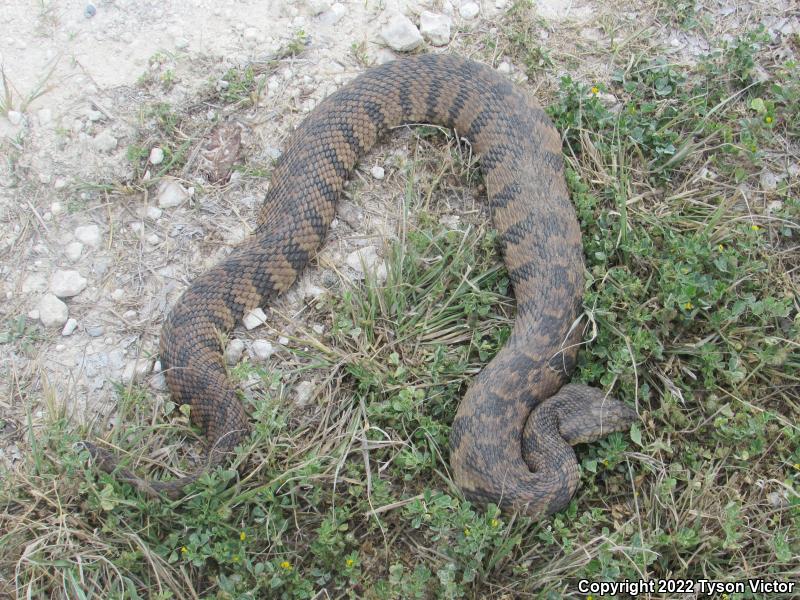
(512, 437)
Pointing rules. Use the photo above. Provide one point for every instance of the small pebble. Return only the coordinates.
(401, 34)
(52, 311)
(262, 350)
(171, 194)
(94, 330)
(234, 351)
(69, 327)
(283, 340)
(89, 11)
(469, 10)
(156, 156)
(254, 318)
(88, 234)
(67, 283)
(14, 117)
(304, 391)
(73, 251)
(377, 172)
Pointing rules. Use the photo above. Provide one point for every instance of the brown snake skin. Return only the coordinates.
(502, 450)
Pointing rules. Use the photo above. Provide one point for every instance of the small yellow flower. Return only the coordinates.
(755, 227)
(184, 549)
(242, 536)
(688, 306)
(286, 565)
(768, 119)
(235, 558)
(466, 531)
(605, 460)
(595, 90)
(720, 247)
(494, 522)
(349, 562)
(797, 466)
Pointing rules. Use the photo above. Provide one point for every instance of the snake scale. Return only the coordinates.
(512, 436)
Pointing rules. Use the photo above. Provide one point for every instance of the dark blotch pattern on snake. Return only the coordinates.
(512, 435)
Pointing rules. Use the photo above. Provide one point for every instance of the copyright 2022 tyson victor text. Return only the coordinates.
(698, 587)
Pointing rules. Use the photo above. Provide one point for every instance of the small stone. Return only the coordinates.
(129, 314)
(14, 117)
(88, 234)
(94, 115)
(52, 311)
(66, 283)
(69, 327)
(45, 116)
(234, 351)
(153, 212)
(334, 15)
(56, 208)
(89, 11)
(318, 329)
(152, 239)
(400, 34)
(104, 141)
(378, 172)
(362, 260)
(60, 183)
(435, 28)
(94, 330)
(34, 283)
(262, 350)
(156, 156)
(33, 314)
(317, 7)
(171, 193)
(181, 43)
(469, 10)
(283, 340)
(118, 294)
(504, 68)
(769, 182)
(73, 251)
(254, 318)
(304, 392)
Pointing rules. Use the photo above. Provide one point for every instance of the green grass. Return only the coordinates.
(691, 306)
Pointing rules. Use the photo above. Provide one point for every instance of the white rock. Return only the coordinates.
(304, 391)
(262, 350)
(469, 10)
(156, 156)
(363, 260)
(171, 193)
(35, 282)
(334, 15)
(283, 340)
(769, 181)
(234, 351)
(14, 117)
(73, 251)
(88, 234)
(52, 311)
(318, 329)
(45, 116)
(153, 212)
(104, 141)
(66, 283)
(33, 314)
(378, 172)
(254, 318)
(435, 28)
(250, 33)
(317, 7)
(60, 183)
(56, 208)
(118, 294)
(135, 371)
(400, 34)
(69, 327)
(504, 68)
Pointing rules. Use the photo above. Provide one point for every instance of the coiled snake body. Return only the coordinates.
(512, 435)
